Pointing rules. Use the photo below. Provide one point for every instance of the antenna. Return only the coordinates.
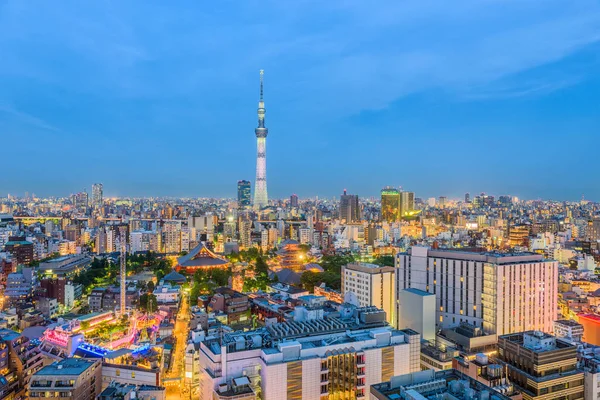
(262, 73)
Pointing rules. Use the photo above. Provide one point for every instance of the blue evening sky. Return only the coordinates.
(440, 97)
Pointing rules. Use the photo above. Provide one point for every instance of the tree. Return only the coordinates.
(310, 279)
(261, 266)
(148, 302)
(150, 286)
(384, 261)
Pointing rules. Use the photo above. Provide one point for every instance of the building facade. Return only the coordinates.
(500, 292)
(372, 285)
(334, 358)
(541, 366)
(71, 378)
(349, 208)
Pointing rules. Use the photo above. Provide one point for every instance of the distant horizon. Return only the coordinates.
(234, 197)
(438, 97)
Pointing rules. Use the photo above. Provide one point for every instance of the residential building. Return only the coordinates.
(568, 330)
(366, 284)
(47, 306)
(19, 359)
(71, 378)
(234, 305)
(167, 293)
(541, 366)
(500, 292)
(20, 249)
(61, 289)
(143, 240)
(97, 195)
(307, 360)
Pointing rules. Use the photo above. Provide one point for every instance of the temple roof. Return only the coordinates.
(174, 276)
(201, 256)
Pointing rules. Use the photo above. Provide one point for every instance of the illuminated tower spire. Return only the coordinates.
(260, 186)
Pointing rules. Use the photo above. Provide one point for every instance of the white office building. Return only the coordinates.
(370, 285)
(501, 292)
(309, 360)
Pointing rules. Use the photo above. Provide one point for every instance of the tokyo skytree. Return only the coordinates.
(261, 198)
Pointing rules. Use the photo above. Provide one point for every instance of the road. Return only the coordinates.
(174, 377)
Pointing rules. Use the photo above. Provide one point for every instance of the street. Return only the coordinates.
(174, 378)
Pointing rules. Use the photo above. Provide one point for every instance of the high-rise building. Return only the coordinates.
(442, 201)
(467, 197)
(349, 208)
(172, 236)
(371, 285)
(390, 204)
(261, 198)
(244, 194)
(80, 200)
(541, 366)
(407, 203)
(502, 293)
(328, 358)
(97, 195)
(294, 201)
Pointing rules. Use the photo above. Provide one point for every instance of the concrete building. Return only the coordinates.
(568, 330)
(307, 360)
(485, 370)
(416, 311)
(167, 293)
(120, 391)
(541, 366)
(129, 374)
(234, 305)
(500, 292)
(66, 266)
(370, 285)
(20, 249)
(61, 289)
(19, 359)
(97, 195)
(47, 306)
(71, 378)
(171, 236)
(430, 384)
(349, 208)
(143, 240)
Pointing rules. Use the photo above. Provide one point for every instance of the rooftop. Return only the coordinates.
(430, 385)
(361, 325)
(68, 366)
(368, 268)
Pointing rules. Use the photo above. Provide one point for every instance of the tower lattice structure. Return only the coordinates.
(261, 198)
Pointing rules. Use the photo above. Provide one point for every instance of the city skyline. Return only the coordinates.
(497, 117)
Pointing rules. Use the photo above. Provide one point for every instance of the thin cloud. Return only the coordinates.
(29, 119)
